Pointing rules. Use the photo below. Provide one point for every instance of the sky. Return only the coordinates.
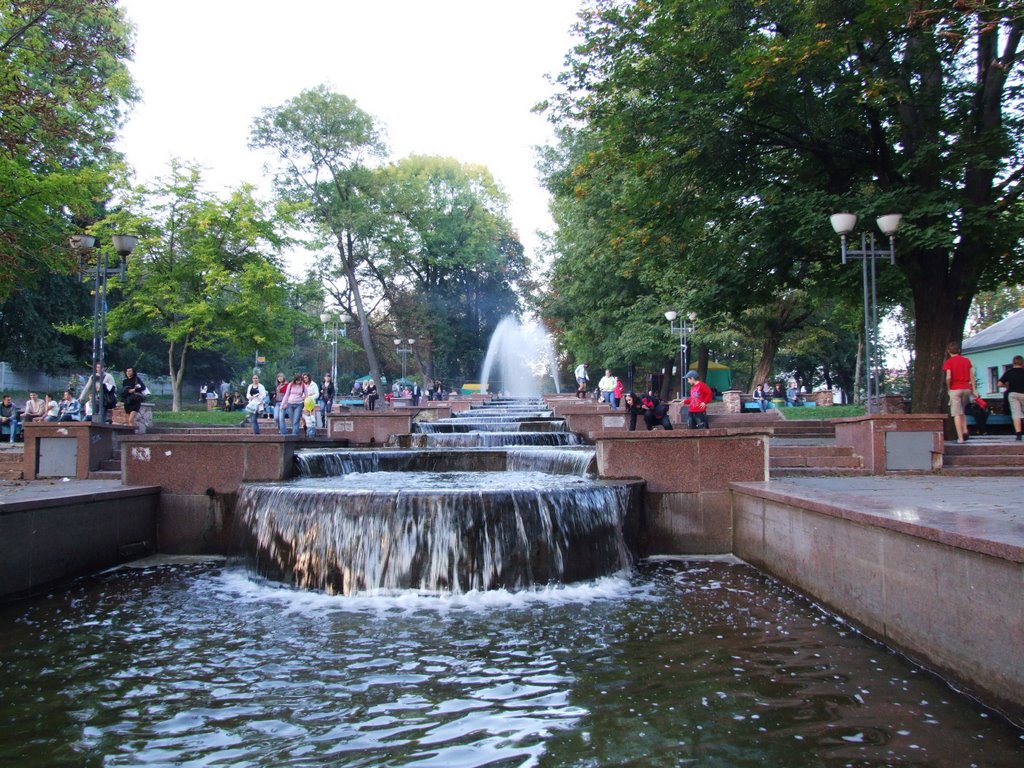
(442, 77)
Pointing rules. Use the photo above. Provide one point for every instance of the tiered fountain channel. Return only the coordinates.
(494, 498)
(675, 662)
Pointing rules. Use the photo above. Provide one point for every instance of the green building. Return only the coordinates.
(992, 349)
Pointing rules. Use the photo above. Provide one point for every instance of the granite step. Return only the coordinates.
(780, 472)
(104, 474)
(990, 471)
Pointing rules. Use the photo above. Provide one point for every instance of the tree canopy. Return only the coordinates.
(64, 88)
(205, 271)
(705, 143)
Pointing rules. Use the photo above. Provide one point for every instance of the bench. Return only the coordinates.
(752, 405)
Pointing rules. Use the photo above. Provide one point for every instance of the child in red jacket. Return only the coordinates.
(700, 396)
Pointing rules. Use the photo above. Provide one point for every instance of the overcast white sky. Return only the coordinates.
(443, 77)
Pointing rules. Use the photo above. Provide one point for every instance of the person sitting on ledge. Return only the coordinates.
(34, 408)
(52, 408)
(9, 423)
(70, 409)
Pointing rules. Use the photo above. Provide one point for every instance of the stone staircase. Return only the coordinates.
(984, 456)
(805, 429)
(110, 469)
(798, 448)
(812, 459)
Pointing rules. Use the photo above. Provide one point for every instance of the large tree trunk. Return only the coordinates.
(939, 318)
(176, 369)
(346, 247)
(769, 347)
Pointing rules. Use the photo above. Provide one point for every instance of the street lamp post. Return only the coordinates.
(99, 272)
(685, 326)
(337, 323)
(404, 353)
(843, 224)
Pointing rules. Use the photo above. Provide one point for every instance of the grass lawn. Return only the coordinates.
(194, 413)
(827, 412)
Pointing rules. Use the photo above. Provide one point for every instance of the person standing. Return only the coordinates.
(309, 415)
(1013, 380)
(617, 392)
(633, 408)
(370, 394)
(697, 402)
(582, 380)
(257, 400)
(275, 394)
(416, 393)
(133, 392)
(606, 386)
(960, 383)
(327, 397)
(102, 384)
(291, 404)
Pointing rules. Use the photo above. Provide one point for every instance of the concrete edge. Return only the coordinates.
(811, 499)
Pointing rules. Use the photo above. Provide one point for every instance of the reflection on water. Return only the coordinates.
(695, 663)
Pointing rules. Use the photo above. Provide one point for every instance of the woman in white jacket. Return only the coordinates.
(257, 400)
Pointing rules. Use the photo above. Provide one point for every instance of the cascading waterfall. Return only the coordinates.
(453, 517)
(502, 422)
(362, 537)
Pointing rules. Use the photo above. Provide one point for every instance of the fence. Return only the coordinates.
(34, 381)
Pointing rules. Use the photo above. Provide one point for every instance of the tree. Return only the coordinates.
(64, 87)
(323, 142)
(29, 338)
(758, 118)
(457, 264)
(204, 272)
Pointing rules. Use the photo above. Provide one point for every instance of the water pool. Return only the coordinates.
(685, 663)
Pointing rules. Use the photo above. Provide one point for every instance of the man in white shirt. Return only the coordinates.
(582, 379)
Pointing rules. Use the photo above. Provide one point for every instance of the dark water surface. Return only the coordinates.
(686, 663)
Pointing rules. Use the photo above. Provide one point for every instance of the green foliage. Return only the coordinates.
(992, 306)
(29, 338)
(324, 142)
(204, 273)
(456, 264)
(703, 143)
(64, 87)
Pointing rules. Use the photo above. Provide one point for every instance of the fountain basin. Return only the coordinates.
(438, 531)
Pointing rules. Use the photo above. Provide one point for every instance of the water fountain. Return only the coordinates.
(445, 517)
(517, 359)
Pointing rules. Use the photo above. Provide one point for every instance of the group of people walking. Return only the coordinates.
(963, 390)
(298, 404)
